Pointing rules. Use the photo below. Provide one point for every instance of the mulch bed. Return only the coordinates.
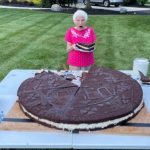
(94, 11)
(100, 12)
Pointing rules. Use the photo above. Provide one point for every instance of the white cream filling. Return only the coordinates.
(84, 125)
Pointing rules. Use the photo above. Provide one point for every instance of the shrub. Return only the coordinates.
(49, 3)
(37, 2)
(4, 1)
(138, 2)
(26, 3)
(43, 3)
(129, 2)
(46, 3)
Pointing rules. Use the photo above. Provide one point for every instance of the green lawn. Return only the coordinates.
(34, 39)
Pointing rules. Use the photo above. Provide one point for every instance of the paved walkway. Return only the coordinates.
(129, 9)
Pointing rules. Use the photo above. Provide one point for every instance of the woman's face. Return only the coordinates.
(79, 22)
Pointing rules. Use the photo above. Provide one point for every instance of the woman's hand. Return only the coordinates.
(70, 46)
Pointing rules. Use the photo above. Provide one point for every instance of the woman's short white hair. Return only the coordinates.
(80, 13)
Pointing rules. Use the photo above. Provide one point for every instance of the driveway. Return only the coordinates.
(112, 8)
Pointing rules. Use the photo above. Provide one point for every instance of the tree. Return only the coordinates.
(142, 2)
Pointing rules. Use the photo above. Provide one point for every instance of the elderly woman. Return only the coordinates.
(80, 43)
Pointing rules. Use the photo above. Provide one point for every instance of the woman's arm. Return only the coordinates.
(70, 46)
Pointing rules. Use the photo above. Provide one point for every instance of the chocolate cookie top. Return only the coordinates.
(104, 94)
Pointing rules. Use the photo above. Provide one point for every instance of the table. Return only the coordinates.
(29, 139)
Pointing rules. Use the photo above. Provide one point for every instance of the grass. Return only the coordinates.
(35, 39)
